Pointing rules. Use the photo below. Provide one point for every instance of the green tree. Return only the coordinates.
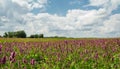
(5, 34)
(0, 36)
(41, 35)
(10, 34)
(37, 36)
(31, 36)
(20, 34)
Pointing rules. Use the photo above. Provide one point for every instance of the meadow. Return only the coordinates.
(59, 53)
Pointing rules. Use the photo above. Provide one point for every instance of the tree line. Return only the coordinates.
(21, 34)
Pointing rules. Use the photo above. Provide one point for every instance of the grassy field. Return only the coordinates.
(60, 53)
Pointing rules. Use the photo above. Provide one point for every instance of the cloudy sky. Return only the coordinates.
(70, 18)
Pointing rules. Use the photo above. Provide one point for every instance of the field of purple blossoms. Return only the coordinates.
(48, 53)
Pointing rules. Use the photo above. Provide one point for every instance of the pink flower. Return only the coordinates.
(3, 60)
(0, 47)
(13, 60)
(113, 49)
(103, 47)
(12, 56)
(96, 56)
(24, 61)
(32, 61)
(66, 42)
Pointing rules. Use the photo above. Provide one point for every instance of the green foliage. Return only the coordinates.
(37, 36)
(5, 34)
(0, 36)
(18, 34)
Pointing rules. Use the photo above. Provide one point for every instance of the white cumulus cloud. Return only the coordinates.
(17, 15)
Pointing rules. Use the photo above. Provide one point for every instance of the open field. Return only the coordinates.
(59, 53)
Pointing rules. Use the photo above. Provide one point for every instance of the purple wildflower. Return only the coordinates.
(24, 61)
(0, 47)
(13, 60)
(3, 60)
(32, 61)
(96, 56)
(12, 56)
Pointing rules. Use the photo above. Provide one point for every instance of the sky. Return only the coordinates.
(69, 18)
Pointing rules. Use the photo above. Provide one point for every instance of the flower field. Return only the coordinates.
(65, 53)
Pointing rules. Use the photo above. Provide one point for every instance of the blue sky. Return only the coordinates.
(62, 6)
(70, 18)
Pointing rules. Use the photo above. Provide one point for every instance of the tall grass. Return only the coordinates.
(57, 53)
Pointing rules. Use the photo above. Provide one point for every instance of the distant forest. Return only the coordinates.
(22, 34)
